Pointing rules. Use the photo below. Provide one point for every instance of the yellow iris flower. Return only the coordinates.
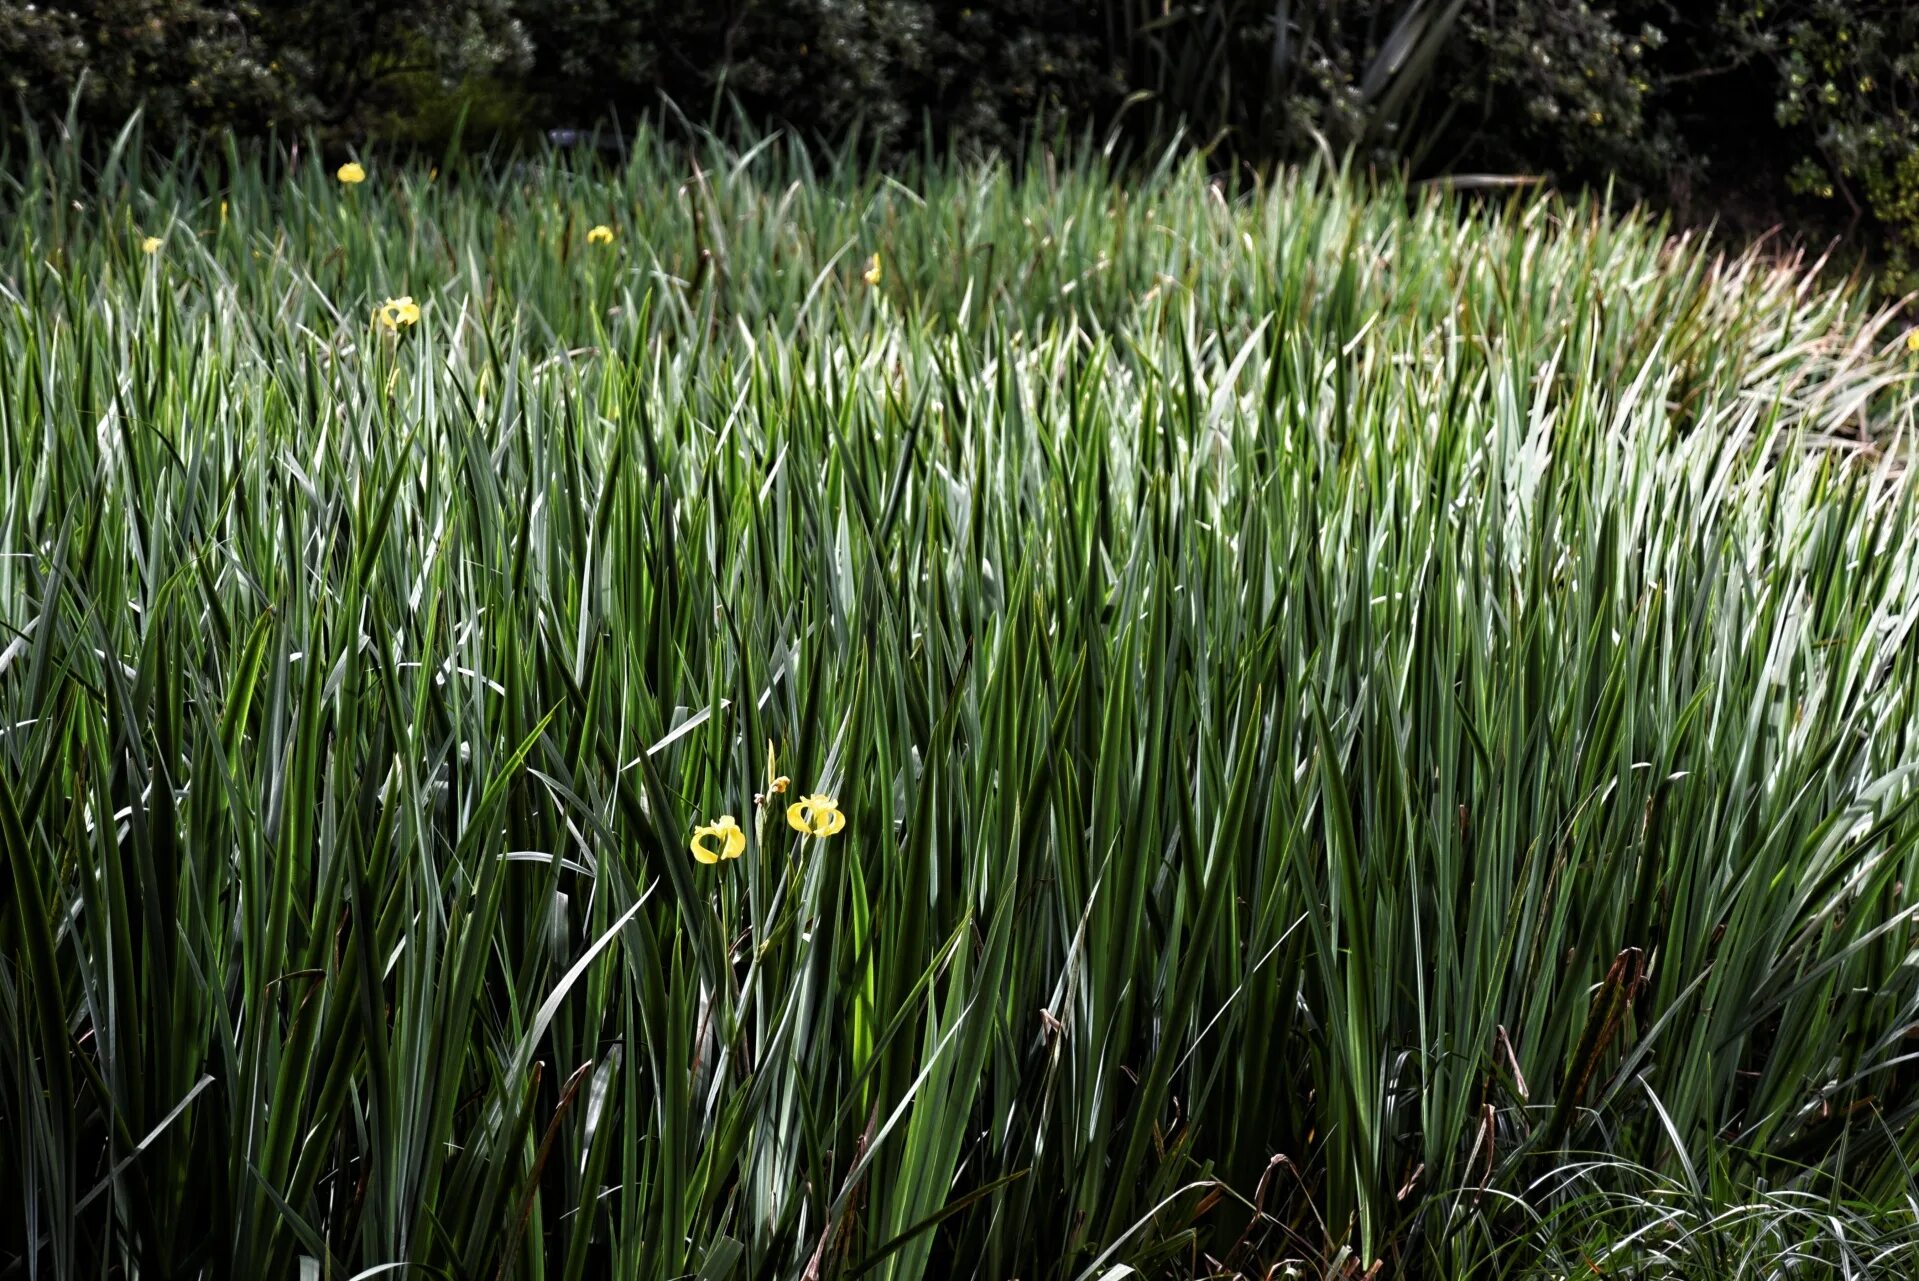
(872, 273)
(815, 815)
(397, 313)
(776, 782)
(350, 173)
(727, 832)
(151, 245)
(600, 235)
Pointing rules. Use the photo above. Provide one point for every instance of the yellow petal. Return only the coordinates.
(395, 312)
(815, 815)
(872, 273)
(151, 244)
(700, 852)
(350, 173)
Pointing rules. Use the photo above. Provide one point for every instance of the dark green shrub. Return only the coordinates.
(253, 67)
(981, 73)
(359, 55)
(1001, 68)
(189, 64)
(823, 66)
(1753, 112)
(1567, 86)
(1846, 103)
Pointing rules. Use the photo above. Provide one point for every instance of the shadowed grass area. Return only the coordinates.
(1369, 729)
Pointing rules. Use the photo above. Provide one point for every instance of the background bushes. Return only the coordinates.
(253, 67)
(1751, 112)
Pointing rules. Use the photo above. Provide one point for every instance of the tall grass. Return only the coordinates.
(1373, 732)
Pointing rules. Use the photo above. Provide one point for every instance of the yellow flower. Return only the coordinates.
(1912, 341)
(151, 245)
(775, 781)
(872, 273)
(600, 235)
(223, 213)
(397, 313)
(727, 832)
(815, 815)
(350, 173)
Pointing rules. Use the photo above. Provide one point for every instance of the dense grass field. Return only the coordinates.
(1375, 736)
